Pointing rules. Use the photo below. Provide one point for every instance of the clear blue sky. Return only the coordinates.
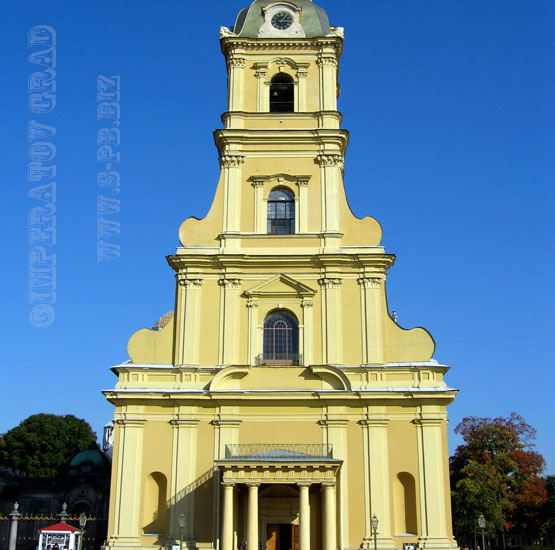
(450, 108)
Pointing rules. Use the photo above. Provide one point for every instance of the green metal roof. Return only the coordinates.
(313, 18)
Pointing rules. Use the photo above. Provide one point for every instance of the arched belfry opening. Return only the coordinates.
(282, 94)
(281, 339)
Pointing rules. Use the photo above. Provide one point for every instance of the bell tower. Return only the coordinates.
(280, 401)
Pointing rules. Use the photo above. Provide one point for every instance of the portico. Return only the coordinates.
(279, 496)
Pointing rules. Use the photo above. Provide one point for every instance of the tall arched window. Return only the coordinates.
(281, 339)
(282, 94)
(281, 212)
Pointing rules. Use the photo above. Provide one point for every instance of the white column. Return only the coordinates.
(372, 321)
(330, 532)
(327, 63)
(302, 73)
(332, 325)
(231, 166)
(378, 477)
(308, 332)
(128, 481)
(304, 516)
(259, 212)
(302, 184)
(183, 474)
(229, 321)
(227, 518)
(330, 178)
(188, 320)
(433, 484)
(261, 89)
(252, 525)
(236, 71)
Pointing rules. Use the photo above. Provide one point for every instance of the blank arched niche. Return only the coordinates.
(154, 504)
(404, 501)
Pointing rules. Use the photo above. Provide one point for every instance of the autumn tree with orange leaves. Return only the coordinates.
(496, 472)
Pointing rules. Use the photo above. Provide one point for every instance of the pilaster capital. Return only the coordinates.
(228, 484)
(329, 159)
(252, 302)
(130, 422)
(429, 422)
(184, 422)
(253, 484)
(370, 282)
(307, 303)
(231, 161)
(302, 73)
(374, 422)
(303, 484)
(260, 74)
(302, 183)
(237, 62)
(230, 283)
(326, 60)
(183, 281)
(326, 282)
(257, 183)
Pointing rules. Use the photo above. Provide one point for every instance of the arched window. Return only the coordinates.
(282, 94)
(281, 339)
(281, 212)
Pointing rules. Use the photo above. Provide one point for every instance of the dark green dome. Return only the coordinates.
(88, 461)
(313, 19)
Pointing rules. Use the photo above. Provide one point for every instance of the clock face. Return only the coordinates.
(282, 20)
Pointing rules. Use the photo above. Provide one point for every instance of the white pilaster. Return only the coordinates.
(378, 477)
(229, 320)
(372, 322)
(259, 211)
(128, 482)
(332, 336)
(432, 485)
(183, 474)
(330, 179)
(188, 320)
(231, 166)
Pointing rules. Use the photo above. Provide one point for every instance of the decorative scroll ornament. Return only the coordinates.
(229, 161)
(370, 282)
(330, 160)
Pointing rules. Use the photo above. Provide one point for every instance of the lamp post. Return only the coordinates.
(181, 526)
(482, 525)
(82, 523)
(375, 531)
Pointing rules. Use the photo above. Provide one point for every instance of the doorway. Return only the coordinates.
(282, 536)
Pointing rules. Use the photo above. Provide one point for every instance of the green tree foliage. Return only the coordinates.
(496, 473)
(44, 443)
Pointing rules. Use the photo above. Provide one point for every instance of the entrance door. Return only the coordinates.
(282, 536)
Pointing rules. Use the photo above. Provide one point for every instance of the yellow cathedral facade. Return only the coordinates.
(280, 406)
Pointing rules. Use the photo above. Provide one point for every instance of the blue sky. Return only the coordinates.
(450, 108)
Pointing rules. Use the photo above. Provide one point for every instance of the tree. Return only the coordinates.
(44, 443)
(496, 473)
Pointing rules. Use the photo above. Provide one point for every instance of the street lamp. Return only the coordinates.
(375, 531)
(482, 525)
(181, 526)
(82, 523)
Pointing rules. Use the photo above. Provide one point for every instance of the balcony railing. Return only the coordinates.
(278, 451)
(279, 359)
